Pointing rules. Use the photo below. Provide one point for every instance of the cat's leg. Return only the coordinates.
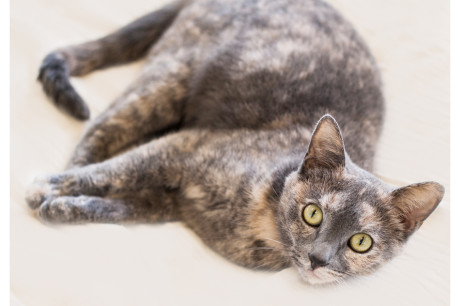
(152, 104)
(85, 209)
(131, 173)
(147, 175)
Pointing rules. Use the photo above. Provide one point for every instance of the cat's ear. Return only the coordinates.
(416, 202)
(326, 148)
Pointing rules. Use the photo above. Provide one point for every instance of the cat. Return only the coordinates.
(233, 129)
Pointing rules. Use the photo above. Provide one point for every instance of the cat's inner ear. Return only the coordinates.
(416, 202)
(326, 148)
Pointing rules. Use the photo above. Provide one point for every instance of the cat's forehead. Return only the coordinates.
(333, 200)
(347, 193)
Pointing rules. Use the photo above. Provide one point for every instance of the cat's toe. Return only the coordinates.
(38, 192)
(60, 210)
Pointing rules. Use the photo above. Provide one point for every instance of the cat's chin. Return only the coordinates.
(319, 276)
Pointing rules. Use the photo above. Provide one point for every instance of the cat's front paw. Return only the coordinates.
(55, 211)
(64, 210)
(40, 191)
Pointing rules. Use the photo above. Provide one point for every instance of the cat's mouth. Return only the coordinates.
(318, 276)
(313, 275)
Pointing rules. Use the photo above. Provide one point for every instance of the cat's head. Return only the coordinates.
(338, 219)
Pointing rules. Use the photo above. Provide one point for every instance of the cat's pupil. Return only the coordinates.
(313, 213)
(361, 240)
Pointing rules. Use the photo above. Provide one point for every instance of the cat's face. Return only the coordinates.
(339, 220)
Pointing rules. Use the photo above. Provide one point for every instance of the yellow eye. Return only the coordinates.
(360, 242)
(313, 215)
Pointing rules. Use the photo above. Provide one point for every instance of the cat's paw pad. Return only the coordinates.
(39, 191)
(62, 209)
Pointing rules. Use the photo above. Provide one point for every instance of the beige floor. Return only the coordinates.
(167, 264)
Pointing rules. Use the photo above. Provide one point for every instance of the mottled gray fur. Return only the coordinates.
(221, 132)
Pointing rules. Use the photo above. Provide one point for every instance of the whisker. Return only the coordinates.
(241, 251)
(276, 193)
(276, 241)
(340, 273)
(264, 248)
(266, 265)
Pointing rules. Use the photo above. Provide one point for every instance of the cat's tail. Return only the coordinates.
(127, 44)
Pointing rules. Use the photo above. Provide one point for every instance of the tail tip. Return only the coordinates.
(53, 75)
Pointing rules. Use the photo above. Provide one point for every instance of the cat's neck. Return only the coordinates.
(265, 202)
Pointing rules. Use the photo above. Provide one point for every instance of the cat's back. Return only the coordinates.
(261, 61)
(269, 64)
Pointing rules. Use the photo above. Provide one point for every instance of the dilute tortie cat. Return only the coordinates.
(230, 129)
